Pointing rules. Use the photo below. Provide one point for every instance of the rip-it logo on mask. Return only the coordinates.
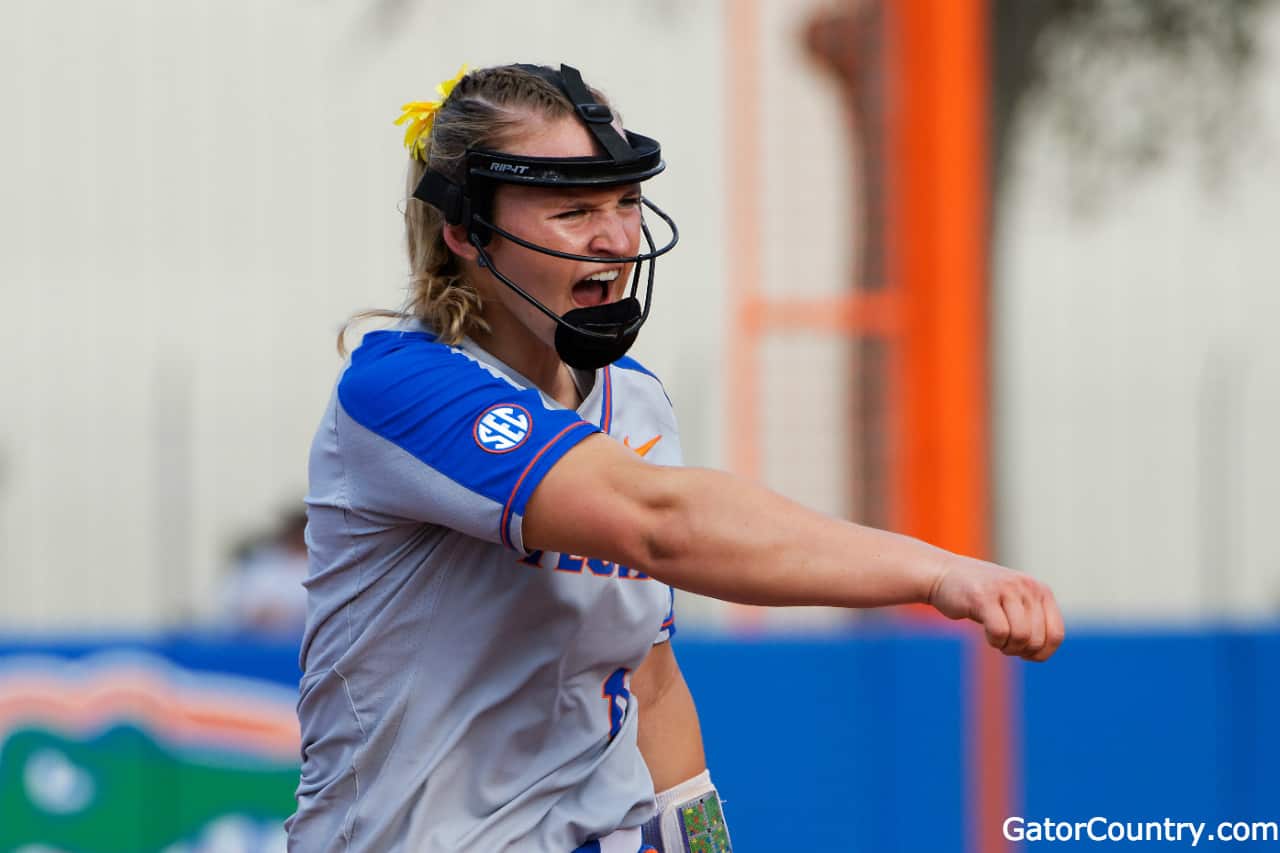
(502, 428)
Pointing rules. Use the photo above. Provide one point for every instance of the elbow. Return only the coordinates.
(665, 536)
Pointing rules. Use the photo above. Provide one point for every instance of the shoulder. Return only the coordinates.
(629, 363)
(391, 368)
(629, 369)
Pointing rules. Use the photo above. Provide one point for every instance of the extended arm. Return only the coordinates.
(722, 536)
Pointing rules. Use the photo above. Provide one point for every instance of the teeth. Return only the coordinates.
(608, 275)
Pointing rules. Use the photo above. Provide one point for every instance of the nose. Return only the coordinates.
(615, 236)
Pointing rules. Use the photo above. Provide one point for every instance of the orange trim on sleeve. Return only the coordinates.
(506, 510)
(606, 403)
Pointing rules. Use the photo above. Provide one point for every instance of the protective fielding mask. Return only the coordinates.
(586, 338)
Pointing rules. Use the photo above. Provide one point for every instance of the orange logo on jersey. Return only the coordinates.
(642, 450)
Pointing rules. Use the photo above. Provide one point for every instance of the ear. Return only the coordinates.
(455, 237)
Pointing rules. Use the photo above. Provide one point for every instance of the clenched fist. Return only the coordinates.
(1018, 612)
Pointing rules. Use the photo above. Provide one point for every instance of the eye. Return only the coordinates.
(572, 214)
(630, 201)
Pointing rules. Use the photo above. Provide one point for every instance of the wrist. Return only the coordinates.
(921, 568)
(939, 566)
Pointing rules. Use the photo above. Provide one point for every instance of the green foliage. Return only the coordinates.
(1125, 84)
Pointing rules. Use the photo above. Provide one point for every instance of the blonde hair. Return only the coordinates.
(485, 109)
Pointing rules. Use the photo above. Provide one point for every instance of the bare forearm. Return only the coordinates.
(669, 736)
(722, 536)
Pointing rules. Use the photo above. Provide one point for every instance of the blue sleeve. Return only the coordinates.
(668, 629)
(433, 436)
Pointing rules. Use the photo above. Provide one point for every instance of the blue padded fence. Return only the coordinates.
(848, 743)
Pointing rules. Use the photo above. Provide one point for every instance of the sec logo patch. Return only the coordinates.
(503, 428)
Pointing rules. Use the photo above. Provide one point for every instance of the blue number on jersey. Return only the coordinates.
(616, 691)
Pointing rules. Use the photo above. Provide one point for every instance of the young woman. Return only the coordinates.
(487, 657)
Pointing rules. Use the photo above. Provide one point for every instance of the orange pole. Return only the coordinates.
(938, 258)
(939, 268)
(912, 238)
(959, 328)
(938, 252)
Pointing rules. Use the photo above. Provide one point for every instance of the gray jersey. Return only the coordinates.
(460, 692)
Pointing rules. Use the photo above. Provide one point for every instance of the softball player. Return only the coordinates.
(497, 516)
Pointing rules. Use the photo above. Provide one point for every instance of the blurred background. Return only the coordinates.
(997, 274)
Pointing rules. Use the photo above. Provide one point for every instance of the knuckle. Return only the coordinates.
(1017, 587)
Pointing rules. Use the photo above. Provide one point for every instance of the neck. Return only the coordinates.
(511, 342)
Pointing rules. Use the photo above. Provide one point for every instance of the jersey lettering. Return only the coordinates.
(600, 568)
(617, 691)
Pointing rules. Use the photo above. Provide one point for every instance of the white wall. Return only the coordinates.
(196, 195)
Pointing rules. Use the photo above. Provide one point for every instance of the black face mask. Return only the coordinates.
(590, 338)
(586, 338)
(618, 321)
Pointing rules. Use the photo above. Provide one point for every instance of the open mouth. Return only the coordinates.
(594, 289)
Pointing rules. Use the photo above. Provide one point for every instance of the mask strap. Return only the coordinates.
(596, 116)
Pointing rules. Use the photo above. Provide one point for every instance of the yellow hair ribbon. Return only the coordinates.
(422, 114)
